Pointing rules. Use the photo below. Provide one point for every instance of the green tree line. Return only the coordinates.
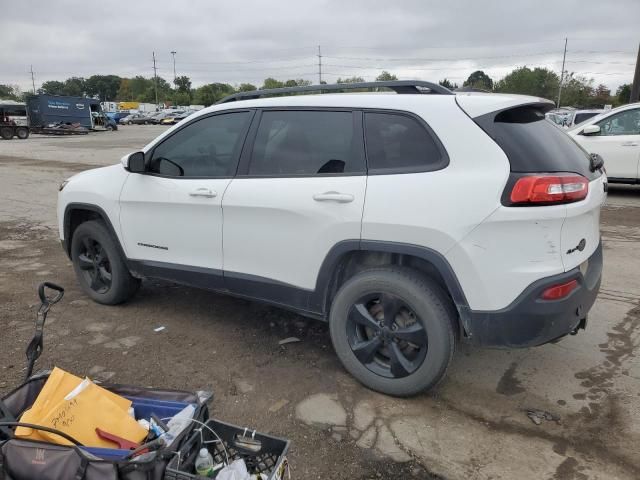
(577, 91)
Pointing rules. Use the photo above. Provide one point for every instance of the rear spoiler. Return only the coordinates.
(476, 105)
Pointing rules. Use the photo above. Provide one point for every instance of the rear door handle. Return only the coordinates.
(333, 197)
(630, 144)
(203, 192)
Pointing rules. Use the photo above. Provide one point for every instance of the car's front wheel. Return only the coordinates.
(393, 329)
(99, 266)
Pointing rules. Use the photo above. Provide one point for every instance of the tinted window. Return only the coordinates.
(399, 142)
(306, 143)
(534, 145)
(14, 111)
(204, 148)
(623, 123)
(583, 117)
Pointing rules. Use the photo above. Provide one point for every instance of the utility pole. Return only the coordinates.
(155, 77)
(635, 87)
(174, 69)
(564, 58)
(319, 66)
(33, 82)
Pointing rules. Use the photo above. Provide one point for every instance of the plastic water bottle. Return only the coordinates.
(204, 463)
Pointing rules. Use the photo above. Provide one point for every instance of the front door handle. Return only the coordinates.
(630, 144)
(203, 192)
(333, 197)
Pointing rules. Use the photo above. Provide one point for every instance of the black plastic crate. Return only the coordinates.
(267, 456)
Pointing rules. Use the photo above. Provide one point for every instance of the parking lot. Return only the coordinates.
(474, 426)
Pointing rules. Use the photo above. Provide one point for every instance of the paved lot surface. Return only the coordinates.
(474, 426)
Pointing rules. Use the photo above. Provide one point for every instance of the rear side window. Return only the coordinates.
(306, 143)
(398, 143)
(533, 144)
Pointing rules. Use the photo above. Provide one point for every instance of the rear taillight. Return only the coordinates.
(548, 189)
(559, 291)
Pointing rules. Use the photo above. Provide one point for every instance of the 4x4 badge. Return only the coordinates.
(579, 247)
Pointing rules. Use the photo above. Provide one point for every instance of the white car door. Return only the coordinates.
(618, 143)
(171, 216)
(299, 191)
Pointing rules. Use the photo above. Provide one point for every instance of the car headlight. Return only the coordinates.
(62, 185)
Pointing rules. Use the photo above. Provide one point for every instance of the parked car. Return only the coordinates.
(137, 119)
(615, 136)
(158, 117)
(174, 118)
(463, 235)
(578, 116)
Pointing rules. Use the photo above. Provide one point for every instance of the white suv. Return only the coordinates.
(409, 222)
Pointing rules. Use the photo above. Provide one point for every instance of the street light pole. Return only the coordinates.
(174, 68)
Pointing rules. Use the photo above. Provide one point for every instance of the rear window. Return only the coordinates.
(533, 144)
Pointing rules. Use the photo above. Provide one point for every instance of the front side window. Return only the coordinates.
(623, 123)
(306, 143)
(205, 148)
(397, 143)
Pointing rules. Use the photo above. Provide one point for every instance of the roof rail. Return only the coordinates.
(398, 86)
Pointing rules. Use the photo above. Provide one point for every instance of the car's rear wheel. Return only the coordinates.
(99, 266)
(392, 328)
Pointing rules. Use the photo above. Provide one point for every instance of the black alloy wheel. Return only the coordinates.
(386, 335)
(95, 265)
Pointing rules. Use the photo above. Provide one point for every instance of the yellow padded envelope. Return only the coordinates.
(88, 410)
(58, 385)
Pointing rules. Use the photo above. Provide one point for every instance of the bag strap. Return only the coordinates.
(6, 416)
(82, 469)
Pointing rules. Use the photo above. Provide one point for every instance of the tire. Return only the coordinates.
(109, 128)
(6, 133)
(100, 268)
(22, 133)
(130, 123)
(423, 312)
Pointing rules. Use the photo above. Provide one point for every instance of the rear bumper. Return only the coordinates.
(531, 321)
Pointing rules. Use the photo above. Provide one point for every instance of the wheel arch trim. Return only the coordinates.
(339, 250)
(92, 208)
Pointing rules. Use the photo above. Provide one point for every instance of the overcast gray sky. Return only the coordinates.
(250, 40)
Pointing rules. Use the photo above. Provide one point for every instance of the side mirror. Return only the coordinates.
(134, 162)
(591, 130)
